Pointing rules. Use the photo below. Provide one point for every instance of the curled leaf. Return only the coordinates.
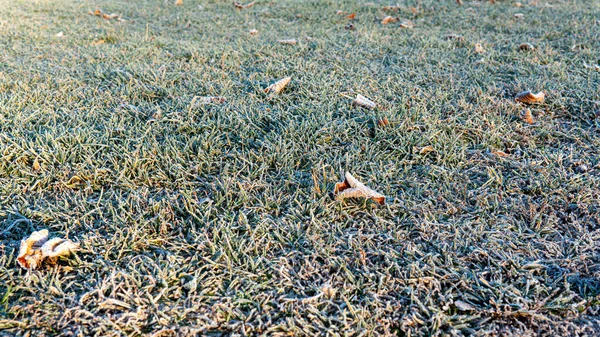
(426, 149)
(288, 41)
(389, 19)
(527, 117)
(364, 102)
(242, 6)
(37, 248)
(406, 24)
(479, 49)
(351, 16)
(529, 98)
(526, 47)
(30, 255)
(278, 86)
(352, 188)
(58, 247)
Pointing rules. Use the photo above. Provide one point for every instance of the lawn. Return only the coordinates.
(215, 217)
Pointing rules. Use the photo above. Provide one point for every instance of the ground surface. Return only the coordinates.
(218, 218)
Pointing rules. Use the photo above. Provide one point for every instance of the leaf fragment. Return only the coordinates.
(364, 102)
(527, 116)
(406, 24)
(351, 16)
(479, 49)
(528, 97)
(278, 86)
(36, 165)
(425, 150)
(242, 6)
(288, 41)
(178, 2)
(383, 122)
(389, 19)
(352, 188)
(500, 153)
(526, 47)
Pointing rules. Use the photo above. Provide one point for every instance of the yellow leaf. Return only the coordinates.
(278, 86)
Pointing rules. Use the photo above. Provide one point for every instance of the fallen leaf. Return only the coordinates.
(518, 4)
(351, 16)
(97, 12)
(58, 247)
(364, 102)
(527, 117)
(479, 49)
(390, 8)
(406, 24)
(30, 255)
(36, 165)
(352, 188)
(529, 98)
(97, 42)
(110, 16)
(178, 2)
(500, 153)
(288, 41)
(414, 10)
(383, 122)
(526, 47)
(240, 6)
(426, 149)
(253, 32)
(278, 86)
(328, 291)
(519, 15)
(388, 19)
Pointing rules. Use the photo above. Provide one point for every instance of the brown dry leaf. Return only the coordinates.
(529, 98)
(97, 12)
(37, 248)
(406, 24)
(526, 47)
(178, 2)
(30, 255)
(383, 122)
(479, 49)
(426, 149)
(390, 8)
(241, 6)
(36, 165)
(253, 32)
(278, 86)
(364, 102)
(288, 41)
(527, 117)
(58, 247)
(518, 4)
(414, 10)
(389, 19)
(110, 16)
(519, 16)
(351, 16)
(97, 42)
(352, 188)
(500, 153)
(328, 291)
